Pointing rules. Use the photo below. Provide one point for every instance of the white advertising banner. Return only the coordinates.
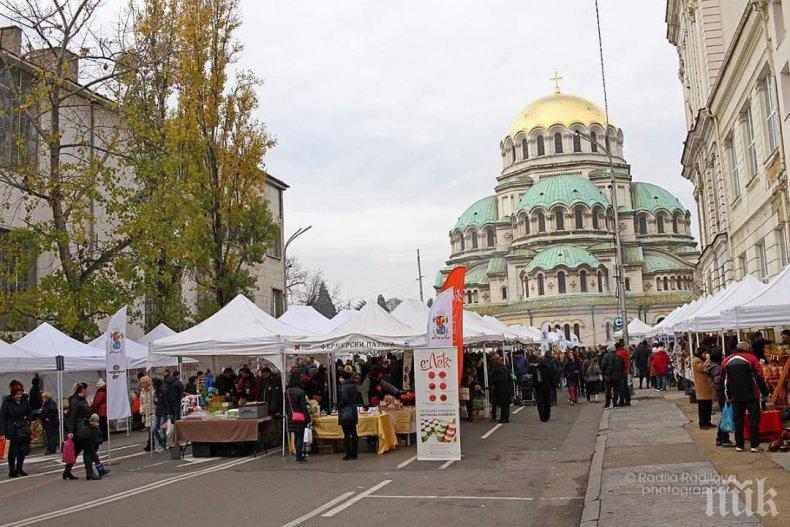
(117, 385)
(440, 321)
(436, 397)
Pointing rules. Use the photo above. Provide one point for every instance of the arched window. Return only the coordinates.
(559, 219)
(561, 283)
(567, 330)
(558, 143)
(660, 224)
(473, 239)
(490, 238)
(606, 143)
(541, 147)
(643, 224)
(577, 142)
(513, 152)
(526, 286)
(679, 283)
(593, 141)
(468, 297)
(541, 222)
(595, 219)
(526, 224)
(475, 298)
(462, 242)
(541, 289)
(600, 282)
(525, 149)
(658, 284)
(576, 330)
(583, 281)
(579, 218)
(666, 284)
(627, 284)
(504, 293)
(675, 224)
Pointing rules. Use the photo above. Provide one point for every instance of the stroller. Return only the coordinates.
(525, 391)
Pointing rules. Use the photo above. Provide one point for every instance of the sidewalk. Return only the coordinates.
(648, 471)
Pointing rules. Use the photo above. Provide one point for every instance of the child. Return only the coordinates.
(96, 440)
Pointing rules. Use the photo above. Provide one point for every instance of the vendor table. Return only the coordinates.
(380, 426)
(219, 430)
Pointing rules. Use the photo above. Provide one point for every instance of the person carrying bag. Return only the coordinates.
(296, 414)
(347, 415)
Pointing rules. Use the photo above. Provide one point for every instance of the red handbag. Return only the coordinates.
(68, 454)
(5, 446)
(296, 417)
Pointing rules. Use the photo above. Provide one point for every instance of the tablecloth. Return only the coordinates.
(380, 426)
(404, 420)
(217, 430)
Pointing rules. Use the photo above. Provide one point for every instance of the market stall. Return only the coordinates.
(375, 424)
(307, 319)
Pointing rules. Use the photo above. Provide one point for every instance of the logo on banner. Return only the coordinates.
(440, 326)
(117, 340)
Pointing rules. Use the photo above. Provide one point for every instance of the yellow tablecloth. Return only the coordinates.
(404, 420)
(380, 426)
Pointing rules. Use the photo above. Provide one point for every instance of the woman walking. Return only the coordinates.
(297, 413)
(78, 429)
(15, 415)
(347, 414)
(147, 407)
(160, 413)
(594, 379)
(703, 389)
(572, 371)
(50, 422)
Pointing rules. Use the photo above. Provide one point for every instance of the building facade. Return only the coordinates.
(735, 72)
(541, 248)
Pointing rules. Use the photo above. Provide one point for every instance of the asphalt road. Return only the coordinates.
(521, 474)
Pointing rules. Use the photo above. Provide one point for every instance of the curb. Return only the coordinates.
(592, 498)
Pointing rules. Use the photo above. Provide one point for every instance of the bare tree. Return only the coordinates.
(303, 286)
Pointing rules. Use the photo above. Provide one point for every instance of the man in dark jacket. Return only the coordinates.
(225, 385)
(758, 346)
(543, 382)
(554, 364)
(270, 390)
(642, 357)
(612, 370)
(502, 390)
(743, 377)
(713, 368)
(175, 390)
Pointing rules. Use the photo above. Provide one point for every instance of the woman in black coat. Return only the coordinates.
(162, 407)
(50, 422)
(296, 401)
(502, 388)
(543, 382)
(15, 416)
(77, 425)
(348, 402)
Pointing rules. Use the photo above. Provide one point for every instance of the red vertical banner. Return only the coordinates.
(455, 280)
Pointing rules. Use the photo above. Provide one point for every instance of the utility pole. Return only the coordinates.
(419, 274)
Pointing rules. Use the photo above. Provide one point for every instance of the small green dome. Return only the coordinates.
(569, 256)
(479, 214)
(656, 263)
(564, 189)
(649, 197)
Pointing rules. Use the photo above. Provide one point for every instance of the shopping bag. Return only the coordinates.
(68, 455)
(726, 423)
(5, 446)
(169, 428)
(308, 436)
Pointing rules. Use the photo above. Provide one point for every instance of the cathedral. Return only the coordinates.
(542, 247)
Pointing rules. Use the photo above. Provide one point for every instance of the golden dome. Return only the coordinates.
(559, 109)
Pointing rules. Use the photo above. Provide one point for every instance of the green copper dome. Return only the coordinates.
(477, 275)
(651, 198)
(569, 256)
(480, 213)
(564, 189)
(655, 263)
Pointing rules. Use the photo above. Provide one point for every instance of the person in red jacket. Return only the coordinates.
(624, 390)
(99, 406)
(744, 384)
(661, 365)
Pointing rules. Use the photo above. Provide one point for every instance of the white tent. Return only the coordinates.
(136, 354)
(307, 319)
(342, 317)
(710, 318)
(370, 330)
(665, 326)
(636, 329)
(681, 324)
(476, 330)
(239, 329)
(507, 332)
(48, 343)
(413, 313)
(155, 360)
(16, 359)
(159, 332)
(771, 307)
(527, 334)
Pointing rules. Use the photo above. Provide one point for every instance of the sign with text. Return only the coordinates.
(117, 363)
(436, 398)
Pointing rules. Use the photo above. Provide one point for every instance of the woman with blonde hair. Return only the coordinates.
(146, 407)
(50, 422)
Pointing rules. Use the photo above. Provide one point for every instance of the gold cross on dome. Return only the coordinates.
(556, 79)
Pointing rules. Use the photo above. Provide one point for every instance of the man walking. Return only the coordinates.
(612, 368)
(623, 389)
(743, 377)
(642, 358)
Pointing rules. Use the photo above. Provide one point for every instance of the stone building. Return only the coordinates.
(735, 74)
(541, 248)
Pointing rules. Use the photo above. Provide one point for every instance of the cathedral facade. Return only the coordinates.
(542, 247)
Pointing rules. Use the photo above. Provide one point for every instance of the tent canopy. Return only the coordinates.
(240, 328)
(15, 359)
(636, 329)
(342, 317)
(413, 313)
(508, 333)
(47, 342)
(306, 319)
(159, 332)
(372, 329)
(771, 307)
(710, 318)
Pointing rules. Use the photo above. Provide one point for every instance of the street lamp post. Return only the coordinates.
(618, 272)
(293, 236)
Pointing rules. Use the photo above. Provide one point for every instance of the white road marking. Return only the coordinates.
(361, 495)
(481, 498)
(125, 494)
(447, 464)
(56, 457)
(76, 468)
(319, 510)
(403, 464)
(488, 434)
(191, 460)
(517, 410)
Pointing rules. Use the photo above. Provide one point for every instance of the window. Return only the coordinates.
(526, 224)
(742, 265)
(577, 142)
(675, 224)
(642, 224)
(678, 283)
(583, 281)
(561, 283)
(762, 261)
(660, 224)
(277, 303)
(665, 281)
(749, 141)
(504, 293)
(19, 139)
(18, 272)
(567, 330)
(541, 222)
(462, 242)
(627, 284)
(607, 145)
(595, 219)
(541, 288)
(526, 286)
(658, 284)
(473, 239)
(781, 241)
(735, 181)
(525, 149)
(559, 218)
(593, 142)
(557, 143)
(600, 282)
(541, 147)
(576, 330)
(513, 153)
(490, 238)
(275, 251)
(579, 218)
(778, 18)
(468, 297)
(771, 113)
